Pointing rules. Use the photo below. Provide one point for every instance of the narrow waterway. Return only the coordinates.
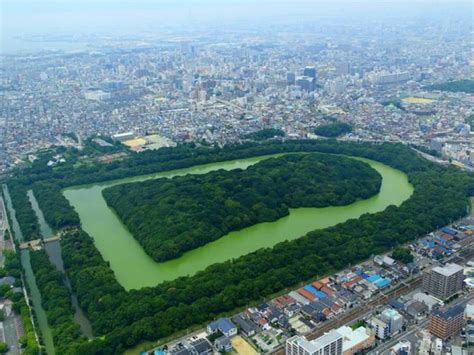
(134, 269)
(53, 249)
(45, 229)
(34, 293)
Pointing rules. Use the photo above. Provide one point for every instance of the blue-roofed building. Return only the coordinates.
(326, 301)
(311, 289)
(428, 244)
(382, 283)
(158, 352)
(321, 294)
(449, 231)
(443, 242)
(373, 278)
(224, 325)
(362, 274)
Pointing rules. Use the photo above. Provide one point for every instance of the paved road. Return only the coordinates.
(3, 229)
(11, 335)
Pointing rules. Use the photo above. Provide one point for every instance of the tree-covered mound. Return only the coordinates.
(264, 134)
(171, 216)
(333, 130)
(465, 85)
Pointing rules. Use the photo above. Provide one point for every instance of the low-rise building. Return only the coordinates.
(357, 340)
(328, 344)
(417, 309)
(223, 344)
(224, 325)
(201, 347)
(247, 327)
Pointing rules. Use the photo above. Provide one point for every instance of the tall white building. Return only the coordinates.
(393, 319)
(380, 327)
(328, 344)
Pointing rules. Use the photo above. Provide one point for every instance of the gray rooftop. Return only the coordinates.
(448, 269)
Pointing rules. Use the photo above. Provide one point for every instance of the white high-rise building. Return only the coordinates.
(328, 344)
(393, 319)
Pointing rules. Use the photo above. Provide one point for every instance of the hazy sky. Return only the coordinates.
(24, 17)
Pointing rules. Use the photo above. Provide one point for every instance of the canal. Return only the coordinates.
(53, 249)
(30, 279)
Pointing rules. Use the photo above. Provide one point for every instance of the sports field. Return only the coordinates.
(135, 142)
(242, 347)
(416, 100)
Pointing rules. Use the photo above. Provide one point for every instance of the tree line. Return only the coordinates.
(56, 301)
(333, 130)
(25, 214)
(55, 207)
(465, 85)
(264, 134)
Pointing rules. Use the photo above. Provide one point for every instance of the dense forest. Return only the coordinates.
(24, 211)
(333, 130)
(128, 318)
(427, 150)
(394, 102)
(403, 255)
(266, 133)
(466, 85)
(55, 207)
(56, 301)
(171, 216)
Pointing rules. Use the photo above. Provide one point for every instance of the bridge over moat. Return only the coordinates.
(37, 244)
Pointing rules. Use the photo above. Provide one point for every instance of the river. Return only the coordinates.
(134, 269)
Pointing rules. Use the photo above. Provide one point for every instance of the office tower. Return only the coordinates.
(443, 282)
(290, 78)
(306, 83)
(310, 71)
